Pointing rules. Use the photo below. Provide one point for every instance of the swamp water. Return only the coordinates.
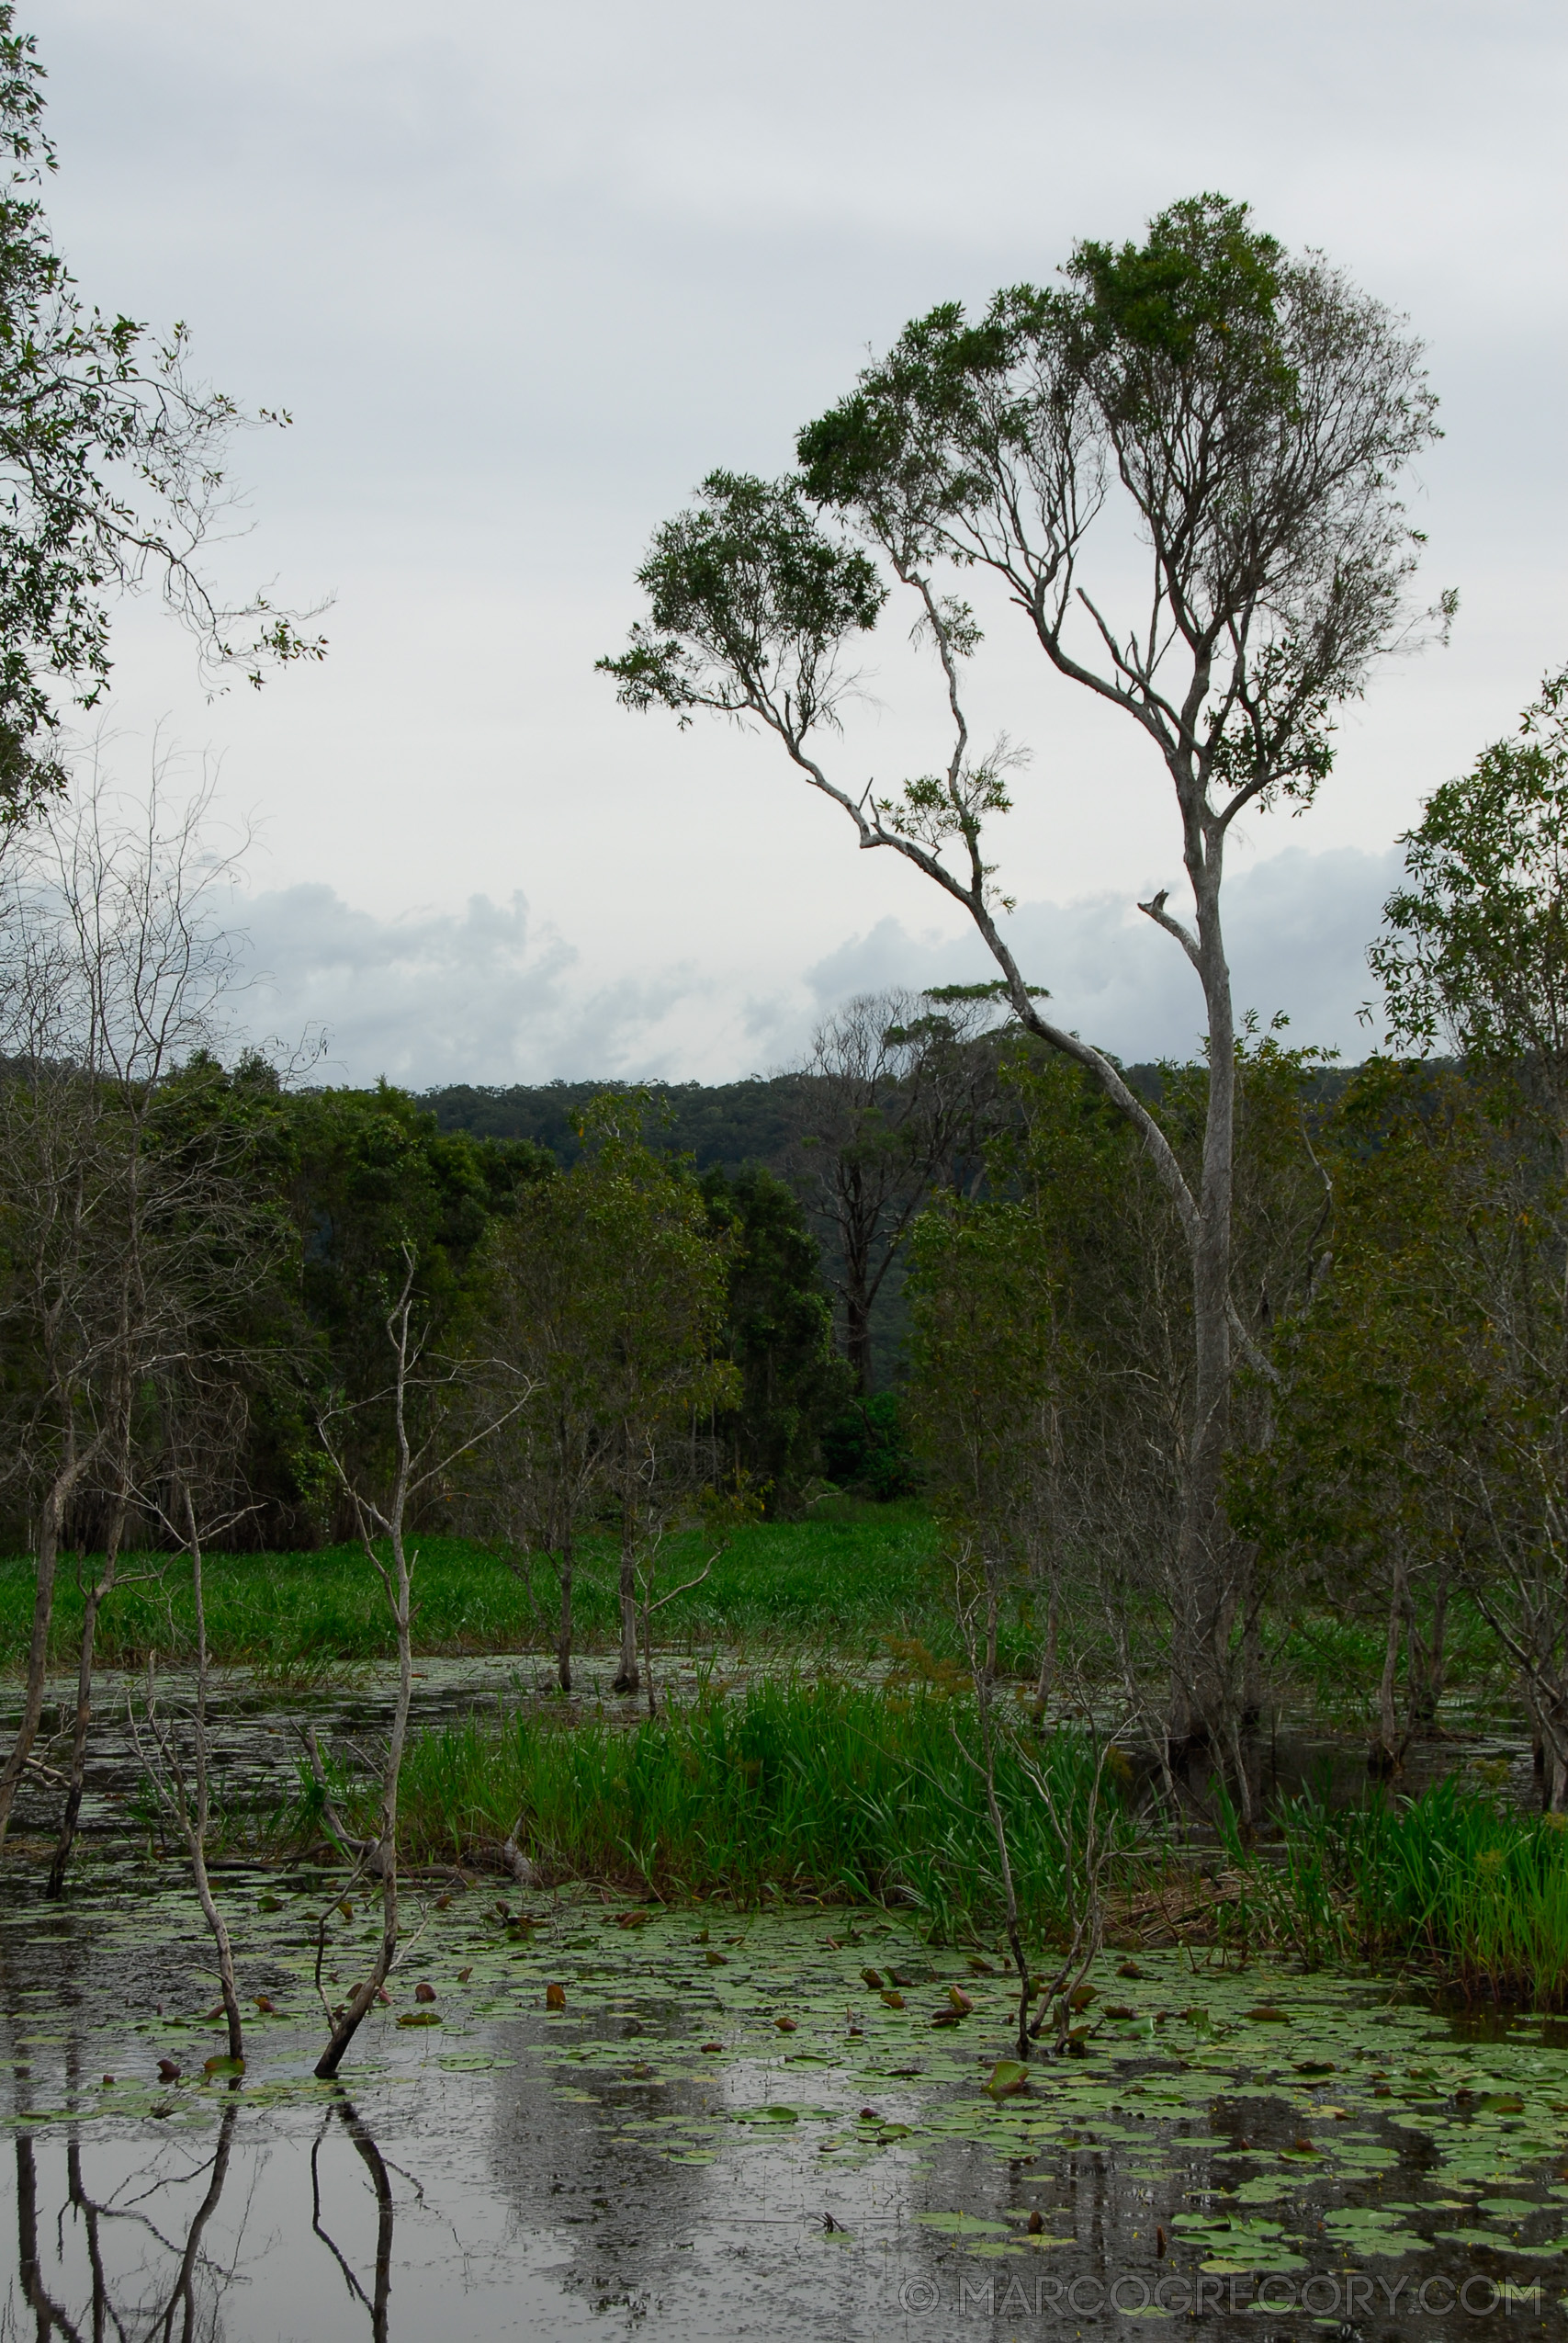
(728, 2132)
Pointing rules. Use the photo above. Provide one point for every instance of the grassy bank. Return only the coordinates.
(852, 1581)
(848, 1794)
(843, 1581)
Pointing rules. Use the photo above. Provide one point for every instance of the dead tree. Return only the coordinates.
(420, 1456)
(137, 1231)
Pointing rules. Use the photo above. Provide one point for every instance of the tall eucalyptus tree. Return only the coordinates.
(1204, 406)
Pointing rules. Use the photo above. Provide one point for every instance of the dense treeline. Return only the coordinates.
(722, 1125)
(343, 1178)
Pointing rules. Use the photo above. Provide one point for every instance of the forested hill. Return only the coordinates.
(722, 1123)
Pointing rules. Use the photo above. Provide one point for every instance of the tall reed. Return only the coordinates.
(827, 1789)
(1473, 1889)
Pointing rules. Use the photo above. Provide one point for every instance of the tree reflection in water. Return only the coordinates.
(149, 2279)
(371, 2158)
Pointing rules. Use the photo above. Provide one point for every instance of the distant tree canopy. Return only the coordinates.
(728, 1124)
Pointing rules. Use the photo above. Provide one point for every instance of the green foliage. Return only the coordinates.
(748, 597)
(866, 1449)
(1253, 407)
(728, 1125)
(1467, 1887)
(845, 1582)
(1000, 1297)
(370, 1171)
(1474, 951)
(1204, 293)
(779, 1333)
(1381, 1367)
(365, 1173)
(604, 1297)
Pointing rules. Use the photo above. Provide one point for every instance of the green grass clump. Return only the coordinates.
(1471, 1888)
(828, 1790)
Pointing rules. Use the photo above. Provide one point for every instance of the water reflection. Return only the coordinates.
(375, 2301)
(141, 2248)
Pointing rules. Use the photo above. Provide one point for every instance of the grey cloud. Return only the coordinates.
(477, 995)
(486, 995)
(1297, 929)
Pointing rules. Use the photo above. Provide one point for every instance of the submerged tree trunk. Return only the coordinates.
(49, 1525)
(1386, 1752)
(563, 1633)
(1428, 1664)
(92, 1603)
(1045, 1683)
(626, 1677)
(364, 1999)
(197, 1825)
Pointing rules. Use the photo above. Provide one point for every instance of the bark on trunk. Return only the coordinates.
(93, 1602)
(50, 1524)
(563, 1633)
(1046, 1680)
(1384, 1758)
(1201, 1704)
(1427, 1659)
(857, 1343)
(626, 1677)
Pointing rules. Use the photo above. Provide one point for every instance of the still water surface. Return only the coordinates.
(729, 2131)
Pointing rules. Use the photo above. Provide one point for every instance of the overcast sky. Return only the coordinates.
(522, 275)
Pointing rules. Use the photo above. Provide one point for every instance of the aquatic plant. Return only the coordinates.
(829, 1789)
(1454, 1878)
